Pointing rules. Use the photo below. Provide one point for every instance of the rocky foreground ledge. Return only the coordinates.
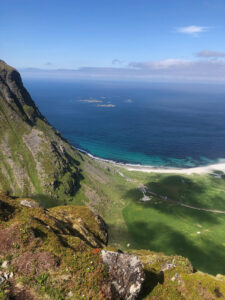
(62, 253)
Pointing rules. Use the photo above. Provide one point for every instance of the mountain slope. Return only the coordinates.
(34, 158)
(56, 253)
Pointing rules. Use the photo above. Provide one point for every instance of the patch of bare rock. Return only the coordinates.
(126, 274)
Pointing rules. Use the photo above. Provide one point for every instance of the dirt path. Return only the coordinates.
(145, 190)
(166, 199)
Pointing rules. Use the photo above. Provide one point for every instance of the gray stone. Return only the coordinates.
(126, 274)
(2, 279)
(175, 277)
(5, 264)
(70, 294)
(6, 275)
(168, 267)
(29, 203)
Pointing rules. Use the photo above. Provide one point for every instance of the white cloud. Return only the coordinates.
(202, 70)
(192, 30)
(211, 54)
(160, 64)
(205, 70)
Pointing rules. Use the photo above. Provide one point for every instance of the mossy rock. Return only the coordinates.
(48, 256)
(55, 254)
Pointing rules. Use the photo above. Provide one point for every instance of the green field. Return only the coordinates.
(165, 226)
(159, 224)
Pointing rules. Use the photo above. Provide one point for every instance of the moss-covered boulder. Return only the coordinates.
(173, 277)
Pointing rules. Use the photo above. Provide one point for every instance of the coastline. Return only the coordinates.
(220, 166)
(186, 171)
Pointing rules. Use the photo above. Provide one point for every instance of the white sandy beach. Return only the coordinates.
(187, 171)
(220, 166)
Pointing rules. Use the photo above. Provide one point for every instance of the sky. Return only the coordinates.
(177, 40)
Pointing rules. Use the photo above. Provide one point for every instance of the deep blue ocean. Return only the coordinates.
(179, 125)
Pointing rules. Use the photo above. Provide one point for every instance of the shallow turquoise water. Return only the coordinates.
(116, 154)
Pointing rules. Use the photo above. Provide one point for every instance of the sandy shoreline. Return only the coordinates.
(220, 166)
(187, 171)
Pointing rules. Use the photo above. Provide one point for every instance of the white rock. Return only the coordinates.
(126, 271)
(168, 267)
(2, 279)
(175, 277)
(70, 294)
(29, 203)
(5, 264)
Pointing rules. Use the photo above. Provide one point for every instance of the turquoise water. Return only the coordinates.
(119, 155)
(148, 124)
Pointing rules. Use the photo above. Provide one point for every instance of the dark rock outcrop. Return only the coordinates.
(12, 89)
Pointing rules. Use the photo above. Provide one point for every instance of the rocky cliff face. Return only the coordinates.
(34, 158)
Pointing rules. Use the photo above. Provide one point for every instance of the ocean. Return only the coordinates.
(157, 124)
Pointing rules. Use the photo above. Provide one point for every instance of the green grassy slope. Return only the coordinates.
(166, 226)
(36, 161)
(159, 224)
(56, 254)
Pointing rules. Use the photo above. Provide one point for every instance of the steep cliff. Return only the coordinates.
(34, 158)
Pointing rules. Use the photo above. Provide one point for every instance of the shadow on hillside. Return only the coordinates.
(151, 281)
(72, 160)
(184, 189)
(160, 237)
(205, 254)
(48, 201)
(61, 197)
(120, 237)
(174, 187)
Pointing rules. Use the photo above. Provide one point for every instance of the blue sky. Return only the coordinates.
(138, 38)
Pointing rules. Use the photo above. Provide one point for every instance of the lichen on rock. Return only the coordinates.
(126, 274)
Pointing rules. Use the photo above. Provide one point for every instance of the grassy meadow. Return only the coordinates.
(159, 224)
(166, 226)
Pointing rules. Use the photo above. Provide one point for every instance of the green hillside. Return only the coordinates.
(161, 224)
(174, 214)
(34, 159)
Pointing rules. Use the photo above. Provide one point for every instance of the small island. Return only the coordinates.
(91, 101)
(106, 105)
